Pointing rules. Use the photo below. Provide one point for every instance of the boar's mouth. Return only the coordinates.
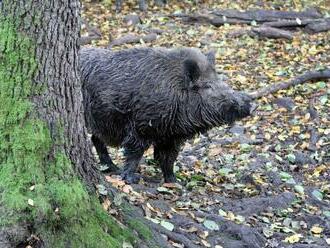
(239, 110)
(253, 108)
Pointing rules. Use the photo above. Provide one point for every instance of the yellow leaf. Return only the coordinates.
(215, 151)
(316, 229)
(127, 189)
(230, 216)
(319, 170)
(313, 50)
(293, 238)
(267, 136)
(307, 117)
(282, 137)
(106, 204)
(242, 79)
(295, 129)
(115, 181)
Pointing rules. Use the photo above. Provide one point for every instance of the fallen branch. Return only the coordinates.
(308, 76)
(290, 23)
(131, 38)
(270, 32)
(319, 26)
(267, 32)
(84, 40)
(267, 15)
(311, 25)
(209, 19)
(93, 34)
(311, 19)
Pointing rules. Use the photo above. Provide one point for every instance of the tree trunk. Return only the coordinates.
(55, 26)
(43, 141)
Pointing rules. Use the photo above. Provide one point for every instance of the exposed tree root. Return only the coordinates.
(176, 237)
(232, 232)
(308, 76)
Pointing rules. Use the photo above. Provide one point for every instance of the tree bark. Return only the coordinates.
(43, 139)
(55, 27)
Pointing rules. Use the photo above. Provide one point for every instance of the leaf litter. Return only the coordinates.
(270, 193)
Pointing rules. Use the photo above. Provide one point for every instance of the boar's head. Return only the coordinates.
(217, 102)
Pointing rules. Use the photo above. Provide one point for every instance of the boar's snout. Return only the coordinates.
(253, 107)
(246, 104)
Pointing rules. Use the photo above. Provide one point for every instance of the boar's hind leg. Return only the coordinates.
(103, 154)
(165, 155)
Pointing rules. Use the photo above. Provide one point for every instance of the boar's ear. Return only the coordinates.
(191, 71)
(211, 57)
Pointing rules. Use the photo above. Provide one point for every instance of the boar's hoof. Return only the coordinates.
(170, 179)
(130, 178)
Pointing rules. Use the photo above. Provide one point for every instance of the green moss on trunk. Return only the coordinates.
(38, 187)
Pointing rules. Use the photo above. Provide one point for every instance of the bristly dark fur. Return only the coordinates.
(138, 97)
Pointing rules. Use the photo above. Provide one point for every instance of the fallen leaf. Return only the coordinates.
(317, 194)
(316, 229)
(102, 190)
(222, 213)
(293, 238)
(168, 225)
(299, 189)
(127, 245)
(205, 243)
(127, 189)
(30, 202)
(172, 185)
(116, 181)
(211, 225)
(106, 204)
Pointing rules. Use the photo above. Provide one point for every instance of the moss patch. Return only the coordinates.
(141, 228)
(33, 187)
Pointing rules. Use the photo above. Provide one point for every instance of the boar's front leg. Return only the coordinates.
(103, 154)
(133, 155)
(165, 155)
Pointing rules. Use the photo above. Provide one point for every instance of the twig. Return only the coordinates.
(310, 75)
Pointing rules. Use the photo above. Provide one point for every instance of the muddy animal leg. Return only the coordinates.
(165, 155)
(103, 154)
(133, 155)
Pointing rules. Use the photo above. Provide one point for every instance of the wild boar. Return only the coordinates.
(140, 97)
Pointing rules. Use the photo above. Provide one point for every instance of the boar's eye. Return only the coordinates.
(195, 87)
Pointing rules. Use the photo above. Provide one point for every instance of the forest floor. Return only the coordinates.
(265, 182)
